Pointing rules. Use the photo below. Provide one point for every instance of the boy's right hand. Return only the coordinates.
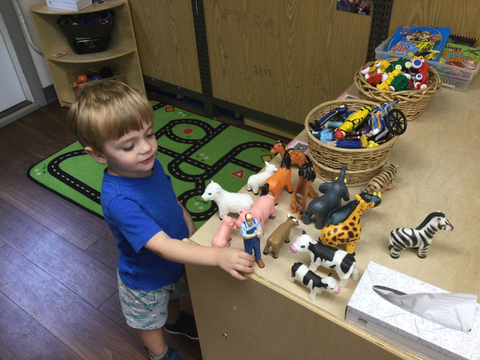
(236, 262)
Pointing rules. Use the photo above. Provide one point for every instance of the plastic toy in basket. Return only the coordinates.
(412, 94)
(367, 125)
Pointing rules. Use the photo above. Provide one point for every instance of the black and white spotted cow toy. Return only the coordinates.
(340, 261)
(315, 283)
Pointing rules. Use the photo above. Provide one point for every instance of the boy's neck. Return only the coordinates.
(130, 175)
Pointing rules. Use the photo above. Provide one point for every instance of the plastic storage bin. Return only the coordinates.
(452, 77)
(87, 33)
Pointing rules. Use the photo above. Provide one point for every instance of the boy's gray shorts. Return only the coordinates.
(148, 309)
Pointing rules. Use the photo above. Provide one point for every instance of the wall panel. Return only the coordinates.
(462, 16)
(283, 57)
(166, 41)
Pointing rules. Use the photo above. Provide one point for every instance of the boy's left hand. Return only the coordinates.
(236, 262)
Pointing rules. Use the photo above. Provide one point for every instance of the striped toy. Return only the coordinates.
(383, 181)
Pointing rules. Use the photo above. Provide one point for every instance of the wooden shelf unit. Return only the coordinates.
(122, 53)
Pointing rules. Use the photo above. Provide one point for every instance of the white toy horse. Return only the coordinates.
(257, 180)
(227, 202)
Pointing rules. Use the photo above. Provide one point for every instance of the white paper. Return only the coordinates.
(454, 310)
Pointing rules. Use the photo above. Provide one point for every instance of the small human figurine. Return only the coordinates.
(251, 231)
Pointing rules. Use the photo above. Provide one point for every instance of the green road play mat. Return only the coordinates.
(192, 149)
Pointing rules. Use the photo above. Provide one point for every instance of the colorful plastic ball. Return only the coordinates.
(82, 79)
(96, 77)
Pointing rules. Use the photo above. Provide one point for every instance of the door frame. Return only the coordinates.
(27, 65)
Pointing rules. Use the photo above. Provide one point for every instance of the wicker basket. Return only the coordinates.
(410, 102)
(362, 164)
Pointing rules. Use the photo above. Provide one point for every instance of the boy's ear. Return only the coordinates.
(96, 155)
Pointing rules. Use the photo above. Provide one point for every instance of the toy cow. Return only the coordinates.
(280, 235)
(321, 206)
(223, 236)
(257, 180)
(315, 283)
(227, 202)
(262, 209)
(327, 256)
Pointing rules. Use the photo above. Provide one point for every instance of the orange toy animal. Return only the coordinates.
(306, 175)
(348, 231)
(283, 177)
(278, 148)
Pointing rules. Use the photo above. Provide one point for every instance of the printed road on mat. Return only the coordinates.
(192, 149)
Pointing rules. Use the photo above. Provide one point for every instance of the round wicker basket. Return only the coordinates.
(410, 102)
(362, 164)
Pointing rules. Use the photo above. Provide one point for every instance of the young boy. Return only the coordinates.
(114, 124)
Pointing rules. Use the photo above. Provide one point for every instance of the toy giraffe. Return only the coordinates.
(347, 232)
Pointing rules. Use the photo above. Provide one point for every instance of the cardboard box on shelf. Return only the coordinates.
(74, 5)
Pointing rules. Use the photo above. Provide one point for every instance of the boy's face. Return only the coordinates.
(132, 155)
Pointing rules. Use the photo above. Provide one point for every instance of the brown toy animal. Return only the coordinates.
(280, 235)
(278, 148)
(306, 175)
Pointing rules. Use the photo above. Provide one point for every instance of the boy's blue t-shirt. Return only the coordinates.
(136, 209)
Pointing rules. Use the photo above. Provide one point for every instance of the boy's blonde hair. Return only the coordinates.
(107, 110)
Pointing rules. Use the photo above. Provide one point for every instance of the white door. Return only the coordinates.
(11, 90)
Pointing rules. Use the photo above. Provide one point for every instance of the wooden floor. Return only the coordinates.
(58, 292)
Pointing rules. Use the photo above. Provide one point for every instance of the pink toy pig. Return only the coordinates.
(262, 209)
(222, 237)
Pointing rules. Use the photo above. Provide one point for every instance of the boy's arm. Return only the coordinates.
(188, 220)
(234, 261)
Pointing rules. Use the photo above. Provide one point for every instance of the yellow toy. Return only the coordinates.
(347, 232)
(352, 122)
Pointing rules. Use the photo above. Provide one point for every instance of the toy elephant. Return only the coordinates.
(334, 192)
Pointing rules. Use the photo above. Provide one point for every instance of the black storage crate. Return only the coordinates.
(87, 33)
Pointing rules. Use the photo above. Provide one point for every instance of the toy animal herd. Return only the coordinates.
(340, 225)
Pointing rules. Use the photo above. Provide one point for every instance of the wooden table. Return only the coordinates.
(269, 317)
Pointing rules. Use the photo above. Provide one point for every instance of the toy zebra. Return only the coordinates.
(420, 237)
(383, 181)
